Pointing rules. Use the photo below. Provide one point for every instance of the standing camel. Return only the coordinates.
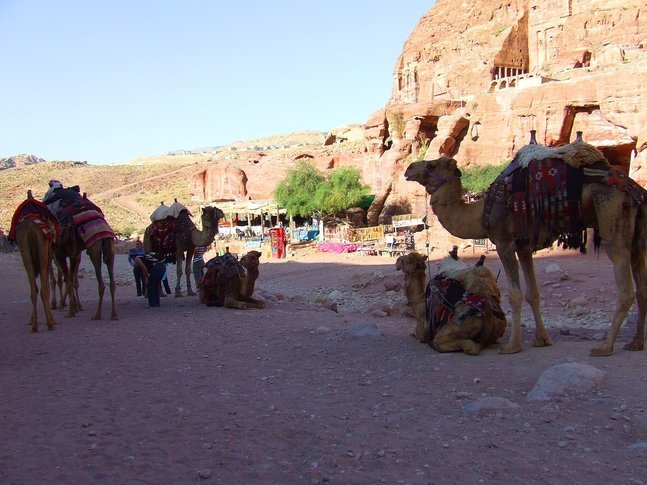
(34, 229)
(100, 249)
(187, 238)
(613, 205)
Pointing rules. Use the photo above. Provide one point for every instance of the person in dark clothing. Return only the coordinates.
(152, 268)
(138, 250)
(167, 287)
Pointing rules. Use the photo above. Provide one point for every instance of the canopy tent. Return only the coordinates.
(250, 208)
(255, 207)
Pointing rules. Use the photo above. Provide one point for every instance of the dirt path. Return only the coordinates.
(297, 393)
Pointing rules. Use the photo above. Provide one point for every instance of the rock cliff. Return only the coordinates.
(474, 87)
(472, 80)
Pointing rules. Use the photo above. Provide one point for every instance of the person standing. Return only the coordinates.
(152, 268)
(198, 264)
(138, 250)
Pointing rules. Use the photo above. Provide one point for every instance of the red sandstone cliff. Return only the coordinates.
(472, 80)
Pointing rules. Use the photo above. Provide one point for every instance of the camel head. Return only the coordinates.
(432, 174)
(411, 263)
(210, 217)
(251, 260)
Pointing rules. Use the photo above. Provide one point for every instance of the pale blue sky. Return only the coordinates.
(108, 81)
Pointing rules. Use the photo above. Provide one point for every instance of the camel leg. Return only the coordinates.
(622, 271)
(45, 273)
(261, 304)
(72, 277)
(179, 261)
(639, 270)
(533, 297)
(231, 302)
(511, 268)
(33, 288)
(189, 270)
(52, 285)
(110, 263)
(95, 257)
(418, 331)
(451, 338)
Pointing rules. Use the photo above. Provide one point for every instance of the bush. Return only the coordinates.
(478, 179)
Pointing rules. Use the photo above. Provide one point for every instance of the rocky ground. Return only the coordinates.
(324, 385)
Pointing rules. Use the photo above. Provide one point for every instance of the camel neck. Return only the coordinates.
(459, 218)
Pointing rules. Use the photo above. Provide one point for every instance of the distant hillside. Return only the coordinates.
(128, 193)
(19, 161)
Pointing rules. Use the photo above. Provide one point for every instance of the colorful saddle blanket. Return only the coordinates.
(40, 214)
(221, 276)
(162, 233)
(92, 226)
(167, 233)
(547, 193)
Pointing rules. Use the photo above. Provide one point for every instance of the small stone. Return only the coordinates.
(205, 473)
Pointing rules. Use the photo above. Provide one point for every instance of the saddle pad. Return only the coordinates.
(37, 211)
(163, 236)
(223, 272)
(92, 226)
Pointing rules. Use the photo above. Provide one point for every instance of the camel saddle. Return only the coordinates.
(40, 214)
(84, 217)
(544, 185)
(222, 273)
(169, 232)
(444, 295)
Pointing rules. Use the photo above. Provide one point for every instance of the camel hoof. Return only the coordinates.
(178, 295)
(190, 293)
(542, 342)
(601, 352)
(96, 317)
(510, 348)
(114, 317)
(635, 345)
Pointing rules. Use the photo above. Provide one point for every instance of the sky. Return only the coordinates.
(109, 81)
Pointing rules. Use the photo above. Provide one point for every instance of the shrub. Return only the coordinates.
(478, 179)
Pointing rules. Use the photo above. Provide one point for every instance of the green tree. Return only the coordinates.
(296, 192)
(342, 190)
(305, 190)
(478, 179)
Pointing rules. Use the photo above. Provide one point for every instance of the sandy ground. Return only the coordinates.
(299, 393)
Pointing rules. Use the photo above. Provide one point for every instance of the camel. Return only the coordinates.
(464, 308)
(187, 238)
(70, 245)
(34, 229)
(57, 279)
(230, 283)
(612, 204)
(413, 265)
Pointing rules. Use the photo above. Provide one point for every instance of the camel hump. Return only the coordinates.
(577, 154)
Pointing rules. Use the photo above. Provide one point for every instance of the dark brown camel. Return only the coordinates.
(70, 246)
(618, 217)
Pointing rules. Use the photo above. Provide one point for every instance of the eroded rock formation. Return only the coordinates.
(474, 87)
